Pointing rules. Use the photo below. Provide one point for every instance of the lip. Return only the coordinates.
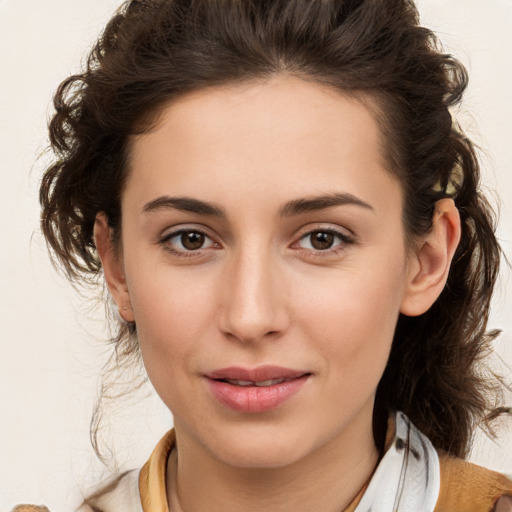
(254, 399)
(255, 374)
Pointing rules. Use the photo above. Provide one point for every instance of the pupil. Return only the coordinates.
(192, 241)
(322, 241)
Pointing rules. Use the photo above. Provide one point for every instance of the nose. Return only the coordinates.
(254, 298)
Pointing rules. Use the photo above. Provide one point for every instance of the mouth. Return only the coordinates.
(262, 375)
(255, 390)
(260, 384)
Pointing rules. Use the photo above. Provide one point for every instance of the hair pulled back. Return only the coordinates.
(154, 51)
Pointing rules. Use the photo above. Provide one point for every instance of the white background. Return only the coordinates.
(51, 347)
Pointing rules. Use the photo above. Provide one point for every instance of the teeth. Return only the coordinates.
(260, 384)
(269, 382)
(241, 382)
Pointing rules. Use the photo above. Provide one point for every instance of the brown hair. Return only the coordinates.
(153, 51)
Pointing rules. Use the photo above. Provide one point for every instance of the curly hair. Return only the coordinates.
(154, 51)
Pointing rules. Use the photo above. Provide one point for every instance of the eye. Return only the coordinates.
(323, 240)
(187, 240)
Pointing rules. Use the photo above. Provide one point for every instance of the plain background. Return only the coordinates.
(51, 348)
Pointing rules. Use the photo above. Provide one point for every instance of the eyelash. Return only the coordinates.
(164, 241)
(343, 240)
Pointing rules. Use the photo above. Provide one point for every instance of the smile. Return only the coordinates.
(254, 391)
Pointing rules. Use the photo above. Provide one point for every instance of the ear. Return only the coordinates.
(429, 264)
(112, 264)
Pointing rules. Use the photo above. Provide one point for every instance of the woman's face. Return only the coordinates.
(265, 262)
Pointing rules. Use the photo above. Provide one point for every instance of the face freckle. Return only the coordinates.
(259, 234)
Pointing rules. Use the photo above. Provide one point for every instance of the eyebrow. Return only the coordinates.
(289, 209)
(185, 204)
(316, 203)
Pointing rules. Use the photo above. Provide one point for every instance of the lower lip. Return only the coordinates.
(253, 398)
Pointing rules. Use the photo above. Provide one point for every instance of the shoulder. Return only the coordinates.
(467, 487)
(119, 494)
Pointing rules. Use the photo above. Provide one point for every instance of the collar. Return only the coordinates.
(408, 477)
(152, 481)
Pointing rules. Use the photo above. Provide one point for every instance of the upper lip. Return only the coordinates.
(261, 373)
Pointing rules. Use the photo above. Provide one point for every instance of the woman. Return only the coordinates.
(289, 224)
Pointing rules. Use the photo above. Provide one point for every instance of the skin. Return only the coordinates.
(259, 293)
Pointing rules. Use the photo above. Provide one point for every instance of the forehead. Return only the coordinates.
(277, 136)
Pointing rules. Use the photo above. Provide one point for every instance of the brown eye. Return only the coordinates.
(324, 240)
(187, 241)
(321, 240)
(192, 240)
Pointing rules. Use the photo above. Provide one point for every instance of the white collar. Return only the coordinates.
(407, 478)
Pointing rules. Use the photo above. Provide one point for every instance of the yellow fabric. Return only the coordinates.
(30, 508)
(465, 487)
(152, 485)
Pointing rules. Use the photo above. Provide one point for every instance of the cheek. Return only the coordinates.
(166, 301)
(353, 322)
(172, 314)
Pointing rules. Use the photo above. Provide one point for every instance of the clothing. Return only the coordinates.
(411, 477)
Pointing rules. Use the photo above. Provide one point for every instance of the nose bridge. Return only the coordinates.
(253, 306)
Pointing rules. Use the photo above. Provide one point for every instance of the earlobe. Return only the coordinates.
(112, 267)
(430, 264)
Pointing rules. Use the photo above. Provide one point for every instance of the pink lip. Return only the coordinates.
(253, 398)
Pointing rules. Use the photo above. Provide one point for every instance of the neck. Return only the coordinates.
(327, 479)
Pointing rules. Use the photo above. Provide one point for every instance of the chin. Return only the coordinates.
(259, 448)
(261, 457)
